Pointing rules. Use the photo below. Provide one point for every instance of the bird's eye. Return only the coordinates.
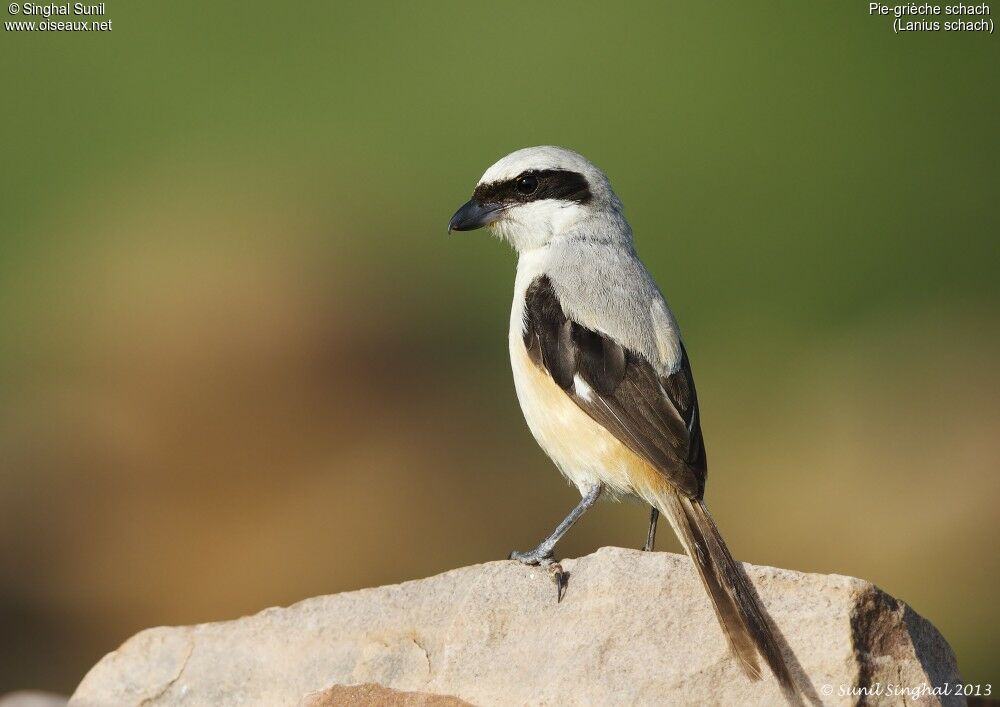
(527, 184)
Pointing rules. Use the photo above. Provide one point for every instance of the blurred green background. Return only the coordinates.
(242, 363)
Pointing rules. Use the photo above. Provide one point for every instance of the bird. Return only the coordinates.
(602, 375)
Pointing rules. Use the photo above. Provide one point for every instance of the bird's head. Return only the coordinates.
(537, 194)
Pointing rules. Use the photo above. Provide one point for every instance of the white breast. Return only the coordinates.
(585, 452)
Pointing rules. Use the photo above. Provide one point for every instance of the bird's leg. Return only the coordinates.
(542, 555)
(651, 535)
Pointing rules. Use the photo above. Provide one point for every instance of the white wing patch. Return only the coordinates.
(582, 389)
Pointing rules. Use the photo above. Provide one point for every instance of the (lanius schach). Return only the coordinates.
(601, 373)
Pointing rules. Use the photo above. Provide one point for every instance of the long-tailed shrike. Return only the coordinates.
(600, 371)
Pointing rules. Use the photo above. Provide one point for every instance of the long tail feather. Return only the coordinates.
(740, 613)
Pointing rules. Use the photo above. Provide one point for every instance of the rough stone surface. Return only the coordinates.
(633, 628)
(372, 695)
(32, 698)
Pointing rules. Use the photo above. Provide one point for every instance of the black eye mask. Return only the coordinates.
(536, 185)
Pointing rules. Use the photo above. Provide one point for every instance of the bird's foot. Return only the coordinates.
(654, 515)
(544, 558)
(538, 556)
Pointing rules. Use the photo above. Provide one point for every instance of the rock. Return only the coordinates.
(32, 698)
(633, 628)
(372, 695)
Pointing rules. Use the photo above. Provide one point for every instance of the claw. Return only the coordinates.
(559, 577)
(546, 560)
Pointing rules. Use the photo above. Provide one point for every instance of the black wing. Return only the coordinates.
(654, 416)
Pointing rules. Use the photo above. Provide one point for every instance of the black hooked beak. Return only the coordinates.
(473, 215)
